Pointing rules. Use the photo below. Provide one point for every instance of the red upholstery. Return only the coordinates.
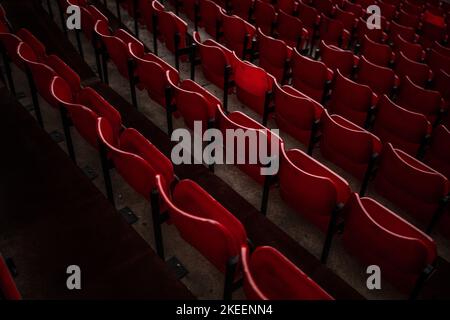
(135, 158)
(355, 106)
(203, 222)
(265, 16)
(417, 99)
(290, 30)
(353, 157)
(8, 288)
(151, 73)
(210, 14)
(438, 156)
(419, 73)
(380, 79)
(376, 235)
(410, 184)
(252, 84)
(411, 50)
(404, 129)
(235, 31)
(377, 53)
(269, 275)
(273, 55)
(309, 76)
(310, 188)
(295, 112)
(336, 58)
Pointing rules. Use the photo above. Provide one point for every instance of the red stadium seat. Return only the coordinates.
(437, 61)
(380, 79)
(408, 20)
(312, 190)
(419, 73)
(377, 53)
(410, 184)
(407, 33)
(290, 30)
(338, 59)
(388, 10)
(238, 35)
(438, 156)
(150, 73)
(288, 6)
(310, 76)
(404, 129)
(193, 102)
(445, 51)
(412, 51)
(268, 275)
(418, 99)
(253, 86)
(297, 114)
(211, 17)
(242, 8)
(332, 32)
(354, 8)
(310, 17)
(441, 84)
(348, 18)
(356, 107)
(376, 35)
(204, 224)
(265, 16)
(358, 157)
(274, 56)
(412, 8)
(8, 289)
(376, 235)
(325, 7)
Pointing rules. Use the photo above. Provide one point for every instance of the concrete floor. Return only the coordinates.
(203, 279)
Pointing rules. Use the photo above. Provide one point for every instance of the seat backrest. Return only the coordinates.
(336, 58)
(289, 28)
(36, 45)
(10, 42)
(265, 16)
(235, 31)
(325, 7)
(405, 32)
(210, 14)
(438, 156)
(269, 275)
(419, 73)
(380, 54)
(406, 19)
(437, 61)
(442, 83)
(309, 15)
(380, 79)
(170, 25)
(8, 288)
(330, 31)
(89, 17)
(273, 55)
(65, 72)
(242, 8)
(288, 6)
(347, 18)
(411, 50)
(375, 35)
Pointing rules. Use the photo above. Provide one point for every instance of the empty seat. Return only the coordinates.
(238, 35)
(312, 190)
(205, 224)
(274, 56)
(325, 7)
(310, 76)
(417, 72)
(413, 51)
(89, 17)
(404, 129)
(354, 8)
(211, 17)
(407, 33)
(377, 53)
(376, 35)
(150, 73)
(412, 8)
(338, 59)
(8, 289)
(410, 184)
(388, 10)
(445, 51)
(290, 30)
(438, 155)
(296, 113)
(241, 8)
(265, 16)
(332, 32)
(407, 19)
(253, 86)
(418, 99)
(355, 107)
(441, 83)
(357, 157)
(377, 236)
(437, 61)
(380, 79)
(288, 6)
(269, 275)
(310, 17)
(347, 18)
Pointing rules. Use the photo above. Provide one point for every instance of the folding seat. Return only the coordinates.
(8, 289)
(211, 17)
(355, 8)
(297, 114)
(189, 8)
(332, 32)
(376, 35)
(437, 61)
(274, 56)
(376, 235)
(419, 73)
(173, 32)
(438, 155)
(203, 223)
(353, 101)
(412, 51)
(388, 10)
(192, 102)
(310, 17)
(89, 17)
(445, 51)
(441, 83)
(377, 53)
(365, 3)
(325, 7)
(313, 191)
(238, 35)
(338, 59)
(407, 33)
(431, 33)
(135, 158)
(290, 30)
(408, 20)
(287, 6)
(242, 8)
(347, 18)
(253, 86)
(380, 79)
(412, 8)
(418, 99)
(404, 129)
(411, 185)
(357, 157)
(265, 16)
(393, 2)
(269, 275)
(311, 77)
